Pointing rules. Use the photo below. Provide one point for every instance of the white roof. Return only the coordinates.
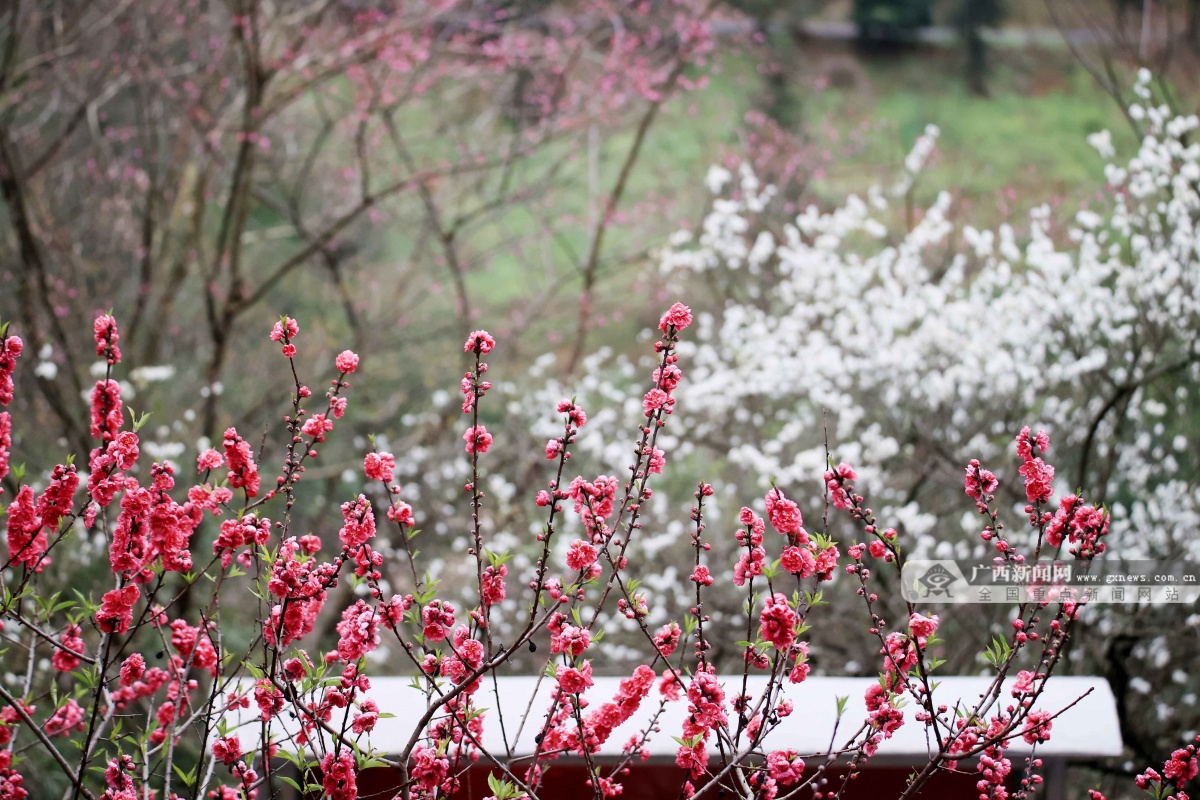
(1089, 728)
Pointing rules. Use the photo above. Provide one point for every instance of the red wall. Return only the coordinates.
(653, 782)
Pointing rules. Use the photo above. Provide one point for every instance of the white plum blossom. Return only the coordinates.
(922, 348)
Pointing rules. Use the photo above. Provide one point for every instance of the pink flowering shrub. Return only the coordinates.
(164, 725)
(887, 323)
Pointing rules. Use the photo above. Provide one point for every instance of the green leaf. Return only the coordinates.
(85, 602)
(137, 421)
(291, 758)
(503, 789)
(822, 541)
(187, 778)
(997, 652)
(366, 762)
(497, 559)
(689, 742)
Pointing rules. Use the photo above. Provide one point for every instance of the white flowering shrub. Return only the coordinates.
(910, 343)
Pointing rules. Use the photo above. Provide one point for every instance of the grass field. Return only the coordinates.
(1027, 140)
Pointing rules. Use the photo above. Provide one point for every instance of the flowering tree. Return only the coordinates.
(188, 163)
(169, 729)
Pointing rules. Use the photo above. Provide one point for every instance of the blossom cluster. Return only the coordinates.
(281, 692)
(885, 323)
